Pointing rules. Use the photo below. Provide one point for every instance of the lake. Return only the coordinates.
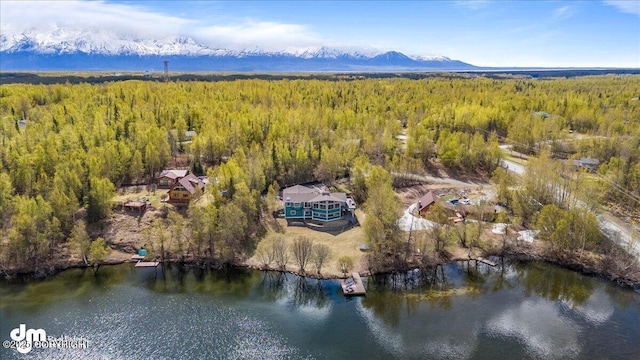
(517, 310)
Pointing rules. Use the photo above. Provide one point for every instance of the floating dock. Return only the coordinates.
(147, 264)
(137, 257)
(353, 285)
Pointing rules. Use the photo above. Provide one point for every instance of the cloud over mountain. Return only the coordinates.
(100, 35)
(134, 21)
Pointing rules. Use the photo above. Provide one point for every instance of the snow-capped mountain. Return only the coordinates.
(101, 42)
(101, 49)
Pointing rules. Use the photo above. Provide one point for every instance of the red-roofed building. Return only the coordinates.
(425, 203)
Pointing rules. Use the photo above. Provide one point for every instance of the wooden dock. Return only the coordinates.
(137, 257)
(147, 264)
(485, 261)
(353, 285)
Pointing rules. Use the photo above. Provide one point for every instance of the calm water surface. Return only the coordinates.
(516, 311)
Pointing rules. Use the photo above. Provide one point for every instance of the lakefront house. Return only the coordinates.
(169, 178)
(305, 203)
(183, 185)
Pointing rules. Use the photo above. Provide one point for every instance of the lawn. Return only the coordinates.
(343, 244)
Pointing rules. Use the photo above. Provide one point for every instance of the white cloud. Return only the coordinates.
(562, 13)
(626, 6)
(18, 16)
(539, 325)
(472, 4)
(266, 35)
(140, 21)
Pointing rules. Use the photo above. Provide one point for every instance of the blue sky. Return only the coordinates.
(488, 33)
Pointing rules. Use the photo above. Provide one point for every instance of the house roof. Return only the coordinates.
(173, 174)
(191, 182)
(586, 162)
(299, 193)
(428, 199)
(339, 197)
(589, 161)
(298, 189)
(300, 197)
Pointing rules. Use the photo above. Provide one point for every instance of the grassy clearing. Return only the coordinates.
(137, 193)
(345, 243)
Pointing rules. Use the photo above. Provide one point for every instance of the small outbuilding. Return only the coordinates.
(425, 203)
(138, 206)
(590, 164)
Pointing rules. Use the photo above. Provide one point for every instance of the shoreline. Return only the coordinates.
(584, 269)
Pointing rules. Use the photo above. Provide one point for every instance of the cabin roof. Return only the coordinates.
(426, 200)
(173, 174)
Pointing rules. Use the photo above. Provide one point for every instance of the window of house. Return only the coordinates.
(315, 205)
(287, 204)
(307, 205)
(296, 205)
(292, 212)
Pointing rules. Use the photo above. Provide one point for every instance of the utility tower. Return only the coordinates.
(166, 70)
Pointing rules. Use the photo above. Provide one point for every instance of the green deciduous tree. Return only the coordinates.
(33, 231)
(101, 191)
(97, 253)
(381, 224)
(232, 227)
(79, 241)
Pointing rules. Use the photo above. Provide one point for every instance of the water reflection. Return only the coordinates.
(597, 309)
(515, 310)
(30, 292)
(549, 283)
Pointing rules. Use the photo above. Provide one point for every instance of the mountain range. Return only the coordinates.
(103, 50)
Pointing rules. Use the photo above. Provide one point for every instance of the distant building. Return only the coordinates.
(425, 203)
(189, 135)
(301, 202)
(590, 164)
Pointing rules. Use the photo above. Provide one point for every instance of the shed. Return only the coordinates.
(425, 202)
(136, 205)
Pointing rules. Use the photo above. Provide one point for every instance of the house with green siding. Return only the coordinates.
(305, 203)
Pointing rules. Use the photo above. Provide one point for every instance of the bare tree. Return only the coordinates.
(320, 253)
(280, 252)
(266, 256)
(302, 251)
(440, 237)
(345, 263)
(460, 230)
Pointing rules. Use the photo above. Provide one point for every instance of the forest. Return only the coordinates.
(67, 148)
